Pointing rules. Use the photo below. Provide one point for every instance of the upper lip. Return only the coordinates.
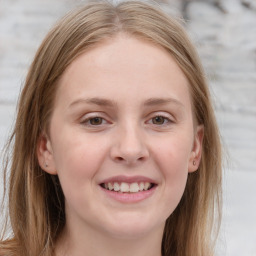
(128, 179)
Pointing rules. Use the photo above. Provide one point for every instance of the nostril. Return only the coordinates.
(128, 154)
(129, 160)
(119, 158)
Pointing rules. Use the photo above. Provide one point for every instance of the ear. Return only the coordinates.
(45, 155)
(196, 153)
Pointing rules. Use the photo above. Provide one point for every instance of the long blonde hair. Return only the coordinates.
(36, 201)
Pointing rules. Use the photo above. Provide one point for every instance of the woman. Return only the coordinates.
(116, 147)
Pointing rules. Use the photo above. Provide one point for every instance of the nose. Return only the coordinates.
(129, 146)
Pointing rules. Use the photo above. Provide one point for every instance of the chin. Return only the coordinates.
(130, 234)
(133, 227)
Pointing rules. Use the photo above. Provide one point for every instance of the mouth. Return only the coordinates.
(128, 187)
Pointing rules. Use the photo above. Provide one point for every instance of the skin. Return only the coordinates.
(128, 83)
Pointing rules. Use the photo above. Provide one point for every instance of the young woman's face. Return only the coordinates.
(122, 138)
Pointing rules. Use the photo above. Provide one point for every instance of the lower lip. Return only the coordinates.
(129, 197)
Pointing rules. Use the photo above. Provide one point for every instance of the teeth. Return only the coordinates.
(126, 187)
(141, 186)
(147, 185)
(109, 186)
(116, 186)
(134, 188)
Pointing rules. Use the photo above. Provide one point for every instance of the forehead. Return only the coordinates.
(124, 67)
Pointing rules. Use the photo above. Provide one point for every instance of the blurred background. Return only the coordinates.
(224, 32)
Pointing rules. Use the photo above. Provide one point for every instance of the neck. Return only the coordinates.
(80, 242)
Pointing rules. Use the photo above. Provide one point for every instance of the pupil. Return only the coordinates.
(158, 120)
(96, 121)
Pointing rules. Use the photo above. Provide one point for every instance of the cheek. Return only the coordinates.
(173, 159)
(173, 155)
(77, 160)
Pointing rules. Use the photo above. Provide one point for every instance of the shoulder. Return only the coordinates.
(2, 252)
(6, 249)
(10, 247)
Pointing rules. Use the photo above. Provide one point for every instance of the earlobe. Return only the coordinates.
(45, 155)
(196, 153)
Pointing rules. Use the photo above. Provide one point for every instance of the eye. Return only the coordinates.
(93, 121)
(158, 120)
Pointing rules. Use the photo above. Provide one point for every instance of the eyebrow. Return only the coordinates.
(162, 101)
(110, 103)
(94, 101)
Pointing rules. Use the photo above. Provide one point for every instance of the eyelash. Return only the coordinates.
(166, 120)
(88, 121)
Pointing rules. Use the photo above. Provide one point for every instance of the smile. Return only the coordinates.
(124, 187)
(128, 189)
